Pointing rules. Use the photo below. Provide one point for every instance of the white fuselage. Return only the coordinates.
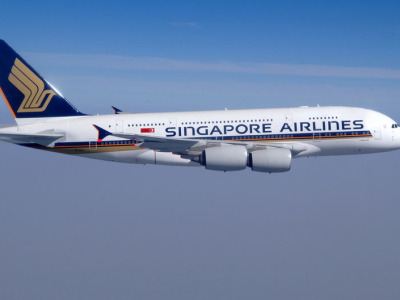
(321, 131)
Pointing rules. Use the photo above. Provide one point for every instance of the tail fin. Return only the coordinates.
(28, 94)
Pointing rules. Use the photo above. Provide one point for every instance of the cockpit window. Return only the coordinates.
(395, 126)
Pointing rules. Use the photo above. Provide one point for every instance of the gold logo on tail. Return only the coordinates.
(36, 98)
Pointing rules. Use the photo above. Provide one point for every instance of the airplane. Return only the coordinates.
(265, 140)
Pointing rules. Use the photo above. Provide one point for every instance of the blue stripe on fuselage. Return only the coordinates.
(253, 138)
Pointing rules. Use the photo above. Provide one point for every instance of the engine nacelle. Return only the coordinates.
(225, 158)
(274, 160)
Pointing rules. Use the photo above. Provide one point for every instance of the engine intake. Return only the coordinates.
(274, 160)
(225, 158)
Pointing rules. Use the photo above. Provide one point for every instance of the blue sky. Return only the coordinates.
(360, 34)
(333, 33)
(353, 40)
(72, 228)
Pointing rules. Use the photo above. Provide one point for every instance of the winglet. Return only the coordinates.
(116, 110)
(102, 133)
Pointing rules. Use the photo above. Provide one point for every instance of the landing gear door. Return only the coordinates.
(377, 133)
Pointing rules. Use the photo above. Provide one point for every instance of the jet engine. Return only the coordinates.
(273, 160)
(225, 158)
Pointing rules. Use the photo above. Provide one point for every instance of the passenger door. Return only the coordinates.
(119, 126)
(377, 133)
(289, 119)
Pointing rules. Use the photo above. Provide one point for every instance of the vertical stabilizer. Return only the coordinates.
(27, 93)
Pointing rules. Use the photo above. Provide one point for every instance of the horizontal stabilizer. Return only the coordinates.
(41, 139)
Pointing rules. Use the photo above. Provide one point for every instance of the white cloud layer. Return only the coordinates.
(184, 24)
(163, 64)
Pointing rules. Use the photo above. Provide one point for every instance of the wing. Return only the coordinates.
(196, 146)
(164, 144)
(193, 147)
